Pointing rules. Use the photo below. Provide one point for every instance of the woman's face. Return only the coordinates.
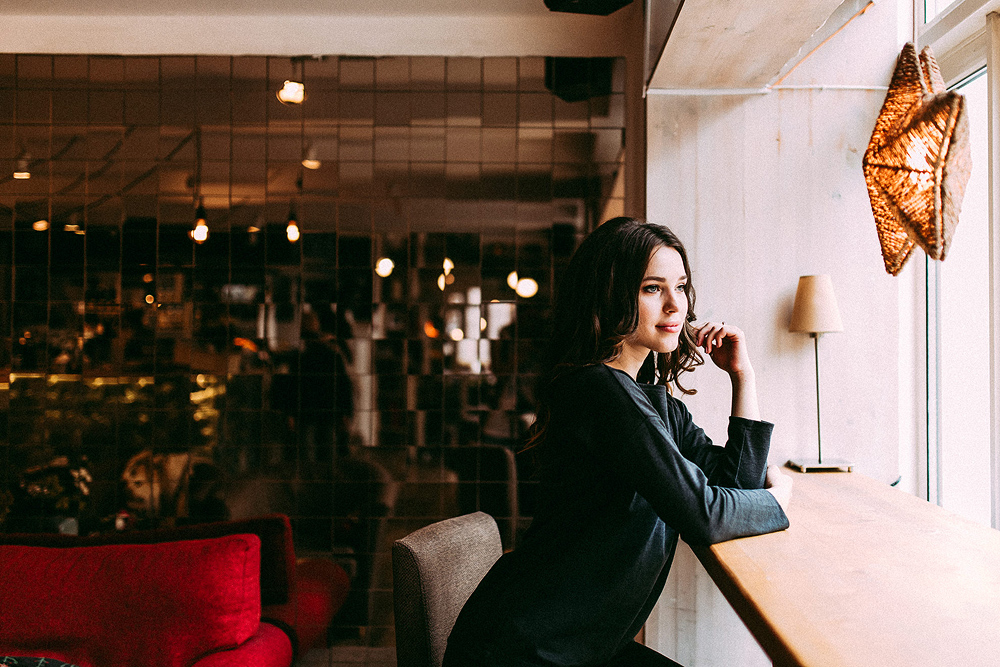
(663, 304)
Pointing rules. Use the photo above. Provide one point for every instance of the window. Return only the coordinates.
(934, 7)
(959, 471)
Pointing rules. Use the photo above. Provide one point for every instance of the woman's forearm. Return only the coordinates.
(745, 395)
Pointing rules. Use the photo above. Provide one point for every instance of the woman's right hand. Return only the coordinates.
(779, 485)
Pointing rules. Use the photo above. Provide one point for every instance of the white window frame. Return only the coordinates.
(966, 37)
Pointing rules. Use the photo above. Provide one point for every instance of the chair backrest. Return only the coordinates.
(434, 571)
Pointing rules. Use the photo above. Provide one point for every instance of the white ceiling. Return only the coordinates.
(714, 44)
(271, 8)
(473, 28)
(737, 43)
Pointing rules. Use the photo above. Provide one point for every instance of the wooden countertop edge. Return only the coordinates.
(799, 644)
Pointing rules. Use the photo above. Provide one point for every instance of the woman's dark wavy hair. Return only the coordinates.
(597, 307)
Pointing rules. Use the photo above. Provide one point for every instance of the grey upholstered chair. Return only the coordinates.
(434, 571)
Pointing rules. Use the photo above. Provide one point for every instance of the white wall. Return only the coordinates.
(763, 189)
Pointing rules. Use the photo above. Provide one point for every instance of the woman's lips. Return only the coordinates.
(669, 328)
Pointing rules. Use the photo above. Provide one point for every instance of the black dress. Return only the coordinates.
(624, 470)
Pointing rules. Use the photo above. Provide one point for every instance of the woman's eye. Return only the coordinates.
(681, 288)
(651, 289)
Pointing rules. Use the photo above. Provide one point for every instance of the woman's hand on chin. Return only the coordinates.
(726, 345)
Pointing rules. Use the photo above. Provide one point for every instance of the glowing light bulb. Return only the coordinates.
(384, 267)
(512, 279)
(40, 225)
(457, 334)
(292, 92)
(526, 287)
(200, 232)
(292, 231)
(448, 265)
(441, 282)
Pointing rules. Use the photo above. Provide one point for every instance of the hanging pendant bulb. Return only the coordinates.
(22, 171)
(311, 160)
(292, 230)
(293, 91)
(200, 232)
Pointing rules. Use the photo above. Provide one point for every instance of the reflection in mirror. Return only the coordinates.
(373, 375)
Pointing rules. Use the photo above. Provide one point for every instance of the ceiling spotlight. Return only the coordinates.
(200, 232)
(292, 230)
(40, 225)
(292, 92)
(311, 160)
(21, 171)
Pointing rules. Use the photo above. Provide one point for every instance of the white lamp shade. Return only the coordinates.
(815, 309)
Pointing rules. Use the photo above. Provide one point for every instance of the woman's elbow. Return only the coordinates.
(705, 534)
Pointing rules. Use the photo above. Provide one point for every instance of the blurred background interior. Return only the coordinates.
(215, 304)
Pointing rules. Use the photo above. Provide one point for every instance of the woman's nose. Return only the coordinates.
(670, 303)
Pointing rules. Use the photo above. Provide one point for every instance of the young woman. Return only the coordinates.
(624, 470)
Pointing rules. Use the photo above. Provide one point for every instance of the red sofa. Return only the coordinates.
(180, 572)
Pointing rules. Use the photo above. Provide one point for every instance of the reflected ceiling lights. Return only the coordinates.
(200, 232)
(292, 230)
(384, 267)
(21, 171)
(526, 287)
(292, 92)
(311, 160)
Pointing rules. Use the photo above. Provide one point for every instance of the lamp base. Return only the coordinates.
(828, 465)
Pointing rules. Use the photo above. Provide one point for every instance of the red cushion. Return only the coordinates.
(277, 555)
(270, 647)
(157, 604)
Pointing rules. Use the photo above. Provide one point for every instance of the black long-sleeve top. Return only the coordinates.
(624, 470)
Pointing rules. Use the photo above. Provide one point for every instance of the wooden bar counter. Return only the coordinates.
(866, 576)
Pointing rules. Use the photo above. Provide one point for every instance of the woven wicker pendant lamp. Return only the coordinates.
(918, 161)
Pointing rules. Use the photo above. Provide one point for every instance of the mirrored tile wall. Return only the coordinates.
(351, 334)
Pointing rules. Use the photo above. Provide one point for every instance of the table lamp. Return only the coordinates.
(815, 312)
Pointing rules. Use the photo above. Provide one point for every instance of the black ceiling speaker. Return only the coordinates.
(578, 79)
(601, 7)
